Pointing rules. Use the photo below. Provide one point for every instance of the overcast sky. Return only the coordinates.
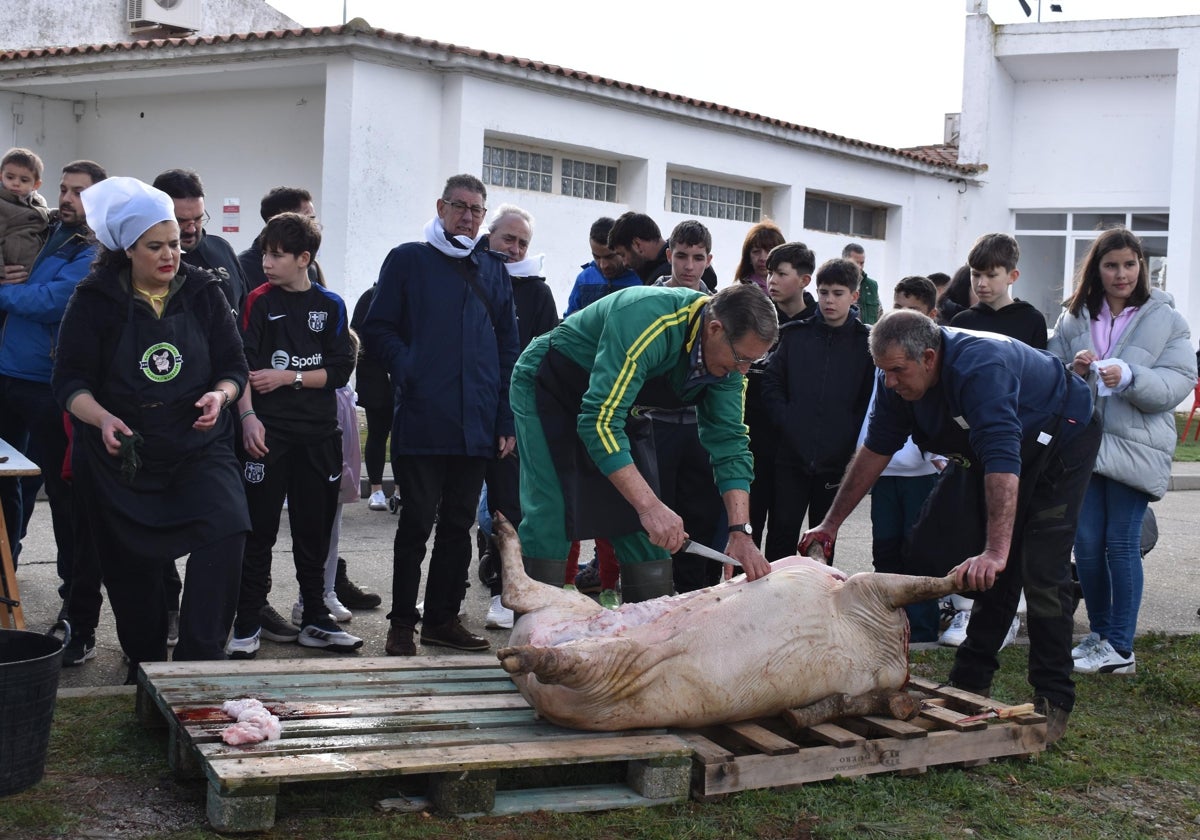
(885, 71)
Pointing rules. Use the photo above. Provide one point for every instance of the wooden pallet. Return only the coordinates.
(456, 719)
(766, 754)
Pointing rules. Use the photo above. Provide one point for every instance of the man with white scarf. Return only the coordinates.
(444, 322)
(509, 235)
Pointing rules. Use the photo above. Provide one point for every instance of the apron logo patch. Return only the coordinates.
(161, 362)
(316, 321)
(255, 472)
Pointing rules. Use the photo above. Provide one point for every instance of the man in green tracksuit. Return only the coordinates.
(584, 470)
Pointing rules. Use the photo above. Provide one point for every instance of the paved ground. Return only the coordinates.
(1170, 601)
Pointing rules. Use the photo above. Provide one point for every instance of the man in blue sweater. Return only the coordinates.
(30, 418)
(1022, 426)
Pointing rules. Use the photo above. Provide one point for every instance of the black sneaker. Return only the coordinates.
(275, 627)
(326, 634)
(453, 635)
(79, 649)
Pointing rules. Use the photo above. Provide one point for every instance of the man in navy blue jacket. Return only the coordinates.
(444, 323)
(1022, 426)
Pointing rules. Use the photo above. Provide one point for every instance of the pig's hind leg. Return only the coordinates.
(522, 593)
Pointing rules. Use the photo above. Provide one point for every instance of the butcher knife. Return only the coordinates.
(693, 547)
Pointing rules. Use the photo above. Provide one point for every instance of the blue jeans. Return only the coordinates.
(1108, 557)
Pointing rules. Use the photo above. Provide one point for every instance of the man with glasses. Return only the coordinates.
(585, 471)
(444, 323)
(201, 249)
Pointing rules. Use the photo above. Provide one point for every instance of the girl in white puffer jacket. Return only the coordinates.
(1135, 350)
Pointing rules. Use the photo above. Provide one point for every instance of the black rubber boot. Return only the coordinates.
(643, 581)
(553, 572)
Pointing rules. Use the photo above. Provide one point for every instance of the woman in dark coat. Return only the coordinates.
(148, 360)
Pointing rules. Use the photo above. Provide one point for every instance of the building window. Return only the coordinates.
(1053, 243)
(585, 179)
(841, 215)
(518, 169)
(534, 169)
(715, 201)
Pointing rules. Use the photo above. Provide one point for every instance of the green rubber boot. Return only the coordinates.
(553, 572)
(646, 580)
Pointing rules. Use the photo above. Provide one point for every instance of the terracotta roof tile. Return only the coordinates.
(940, 156)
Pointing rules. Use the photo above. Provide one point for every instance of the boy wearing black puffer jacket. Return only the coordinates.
(816, 390)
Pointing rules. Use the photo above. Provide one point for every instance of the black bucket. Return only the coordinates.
(29, 667)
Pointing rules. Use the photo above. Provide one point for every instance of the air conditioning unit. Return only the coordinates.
(173, 14)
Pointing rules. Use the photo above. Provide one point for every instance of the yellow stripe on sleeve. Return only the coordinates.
(608, 408)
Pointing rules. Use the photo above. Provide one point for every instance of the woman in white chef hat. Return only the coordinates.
(148, 361)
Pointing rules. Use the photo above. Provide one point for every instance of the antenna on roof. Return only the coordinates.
(1054, 7)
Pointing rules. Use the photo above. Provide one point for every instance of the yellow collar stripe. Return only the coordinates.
(608, 408)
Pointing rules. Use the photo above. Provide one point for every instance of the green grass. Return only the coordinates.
(1187, 450)
(1128, 768)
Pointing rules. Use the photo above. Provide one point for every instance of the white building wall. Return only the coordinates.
(1093, 116)
(1092, 143)
(46, 127)
(381, 174)
(241, 145)
(54, 23)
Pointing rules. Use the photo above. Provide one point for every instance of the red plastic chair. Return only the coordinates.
(1191, 414)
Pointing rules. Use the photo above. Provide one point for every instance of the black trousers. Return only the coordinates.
(444, 488)
(686, 485)
(953, 526)
(139, 602)
(379, 426)
(32, 422)
(503, 479)
(309, 476)
(797, 492)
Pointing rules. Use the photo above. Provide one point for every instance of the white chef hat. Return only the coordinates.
(119, 210)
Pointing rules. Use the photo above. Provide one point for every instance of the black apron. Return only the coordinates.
(188, 491)
(592, 505)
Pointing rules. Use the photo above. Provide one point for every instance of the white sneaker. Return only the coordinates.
(1011, 636)
(377, 501)
(243, 648)
(298, 612)
(325, 634)
(498, 615)
(1086, 645)
(1105, 660)
(956, 633)
(336, 608)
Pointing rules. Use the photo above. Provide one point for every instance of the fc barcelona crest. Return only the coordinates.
(255, 472)
(316, 321)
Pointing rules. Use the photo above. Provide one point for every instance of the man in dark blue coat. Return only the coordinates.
(444, 323)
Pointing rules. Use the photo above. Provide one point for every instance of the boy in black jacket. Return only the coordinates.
(816, 389)
(993, 262)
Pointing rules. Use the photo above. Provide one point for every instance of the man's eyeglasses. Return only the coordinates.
(738, 358)
(199, 221)
(476, 210)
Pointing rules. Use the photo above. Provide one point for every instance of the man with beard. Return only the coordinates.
(202, 249)
(34, 300)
